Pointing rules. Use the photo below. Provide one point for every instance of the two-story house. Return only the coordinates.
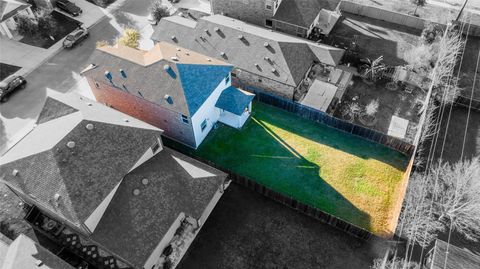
(177, 90)
(100, 184)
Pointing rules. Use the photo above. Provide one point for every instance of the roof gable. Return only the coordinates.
(54, 109)
(234, 100)
(199, 81)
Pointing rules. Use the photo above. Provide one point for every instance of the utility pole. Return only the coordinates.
(461, 10)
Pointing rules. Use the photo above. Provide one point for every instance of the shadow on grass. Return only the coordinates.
(258, 153)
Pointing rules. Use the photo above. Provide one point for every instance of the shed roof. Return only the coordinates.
(24, 253)
(456, 258)
(302, 12)
(132, 226)
(45, 163)
(266, 53)
(190, 81)
(234, 100)
(320, 95)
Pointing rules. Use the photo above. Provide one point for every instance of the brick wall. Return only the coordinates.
(167, 120)
(252, 11)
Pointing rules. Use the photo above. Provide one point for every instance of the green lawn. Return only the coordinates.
(344, 175)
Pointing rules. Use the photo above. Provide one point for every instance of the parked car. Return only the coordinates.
(9, 85)
(75, 38)
(68, 7)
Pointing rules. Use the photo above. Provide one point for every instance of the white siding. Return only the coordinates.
(163, 243)
(208, 112)
(94, 218)
(233, 120)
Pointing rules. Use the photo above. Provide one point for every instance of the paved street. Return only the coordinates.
(62, 72)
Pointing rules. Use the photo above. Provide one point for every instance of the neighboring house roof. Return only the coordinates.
(133, 225)
(456, 258)
(302, 12)
(10, 8)
(24, 253)
(45, 163)
(192, 79)
(285, 59)
(234, 100)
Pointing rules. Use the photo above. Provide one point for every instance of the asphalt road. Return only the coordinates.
(62, 72)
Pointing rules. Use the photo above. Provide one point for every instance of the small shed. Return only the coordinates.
(235, 106)
(320, 95)
(439, 258)
(398, 127)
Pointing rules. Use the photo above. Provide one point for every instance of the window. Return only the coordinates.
(268, 6)
(301, 32)
(155, 146)
(268, 23)
(203, 125)
(234, 75)
(227, 79)
(184, 119)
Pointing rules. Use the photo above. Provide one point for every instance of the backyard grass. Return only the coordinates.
(344, 175)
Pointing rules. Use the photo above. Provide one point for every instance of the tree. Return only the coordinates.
(26, 26)
(101, 43)
(431, 33)
(447, 196)
(373, 69)
(130, 38)
(418, 3)
(158, 10)
(46, 24)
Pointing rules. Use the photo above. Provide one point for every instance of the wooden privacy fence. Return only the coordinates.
(468, 102)
(276, 196)
(404, 19)
(323, 118)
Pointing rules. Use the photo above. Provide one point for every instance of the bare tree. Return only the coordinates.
(395, 263)
(447, 195)
(158, 11)
(418, 3)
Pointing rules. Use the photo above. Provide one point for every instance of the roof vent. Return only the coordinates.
(136, 192)
(126, 120)
(14, 172)
(145, 181)
(187, 53)
(174, 58)
(122, 72)
(169, 70)
(108, 75)
(206, 31)
(266, 44)
(274, 70)
(89, 104)
(178, 49)
(208, 59)
(256, 64)
(222, 53)
(89, 126)
(267, 58)
(56, 197)
(174, 38)
(168, 99)
(38, 263)
(216, 29)
(70, 144)
(240, 37)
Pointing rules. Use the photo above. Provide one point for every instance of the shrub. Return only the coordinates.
(129, 38)
(46, 23)
(26, 26)
(101, 43)
(158, 10)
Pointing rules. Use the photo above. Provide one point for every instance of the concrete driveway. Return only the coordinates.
(62, 72)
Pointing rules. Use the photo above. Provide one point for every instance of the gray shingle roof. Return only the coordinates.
(133, 225)
(10, 8)
(302, 12)
(289, 56)
(24, 253)
(85, 174)
(234, 100)
(457, 257)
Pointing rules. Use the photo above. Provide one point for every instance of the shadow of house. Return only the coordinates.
(247, 230)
